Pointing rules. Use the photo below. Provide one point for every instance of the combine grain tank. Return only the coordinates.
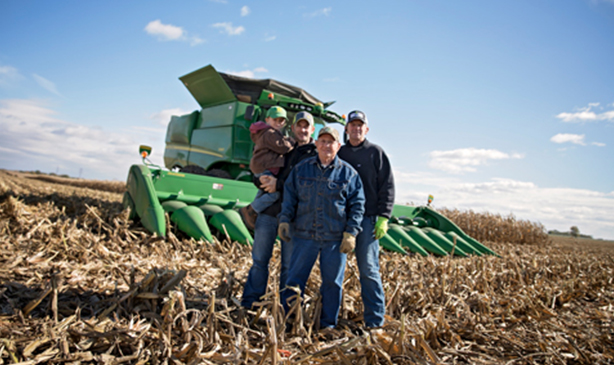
(215, 140)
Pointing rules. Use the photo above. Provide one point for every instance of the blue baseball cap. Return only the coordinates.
(357, 115)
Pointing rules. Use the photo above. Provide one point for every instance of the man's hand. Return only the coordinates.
(283, 231)
(381, 227)
(348, 243)
(268, 183)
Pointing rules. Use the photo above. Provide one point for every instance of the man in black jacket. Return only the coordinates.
(265, 231)
(374, 169)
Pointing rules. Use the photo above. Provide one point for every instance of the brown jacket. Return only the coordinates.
(269, 148)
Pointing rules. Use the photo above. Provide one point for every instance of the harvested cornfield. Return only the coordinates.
(498, 228)
(80, 283)
(103, 185)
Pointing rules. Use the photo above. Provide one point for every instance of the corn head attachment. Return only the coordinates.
(193, 202)
(201, 205)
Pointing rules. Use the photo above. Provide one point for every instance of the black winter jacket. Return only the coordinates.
(374, 169)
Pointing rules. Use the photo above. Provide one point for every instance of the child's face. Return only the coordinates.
(276, 123)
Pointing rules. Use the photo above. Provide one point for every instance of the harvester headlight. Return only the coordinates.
(144, 150)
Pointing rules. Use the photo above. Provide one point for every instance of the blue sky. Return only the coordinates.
(505, 107)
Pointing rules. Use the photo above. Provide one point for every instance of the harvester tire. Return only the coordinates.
(219, 173)
(127, 202)
(194, 169)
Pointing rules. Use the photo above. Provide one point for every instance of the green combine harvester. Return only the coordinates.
(207, 177)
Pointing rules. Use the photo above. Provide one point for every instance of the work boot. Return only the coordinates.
(248, 215)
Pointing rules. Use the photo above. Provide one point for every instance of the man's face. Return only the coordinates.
(357, 131)
(327, 147)
(276, 123)
(302, 131)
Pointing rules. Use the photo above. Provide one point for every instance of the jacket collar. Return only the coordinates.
(311, 143)
(336, 162)
(363, 143)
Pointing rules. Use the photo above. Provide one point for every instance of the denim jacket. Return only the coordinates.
(323, 202)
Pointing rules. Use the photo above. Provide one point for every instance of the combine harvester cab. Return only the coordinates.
(207, 176)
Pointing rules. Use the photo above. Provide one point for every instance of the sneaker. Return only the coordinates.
(248, 215)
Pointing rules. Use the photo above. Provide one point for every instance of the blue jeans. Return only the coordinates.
(332, 267)
(367, 257)
(263, 199)
(265, 234)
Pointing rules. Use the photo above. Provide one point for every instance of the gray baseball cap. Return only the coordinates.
(304, 116)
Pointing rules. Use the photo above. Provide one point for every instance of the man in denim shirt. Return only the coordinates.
(324, 199)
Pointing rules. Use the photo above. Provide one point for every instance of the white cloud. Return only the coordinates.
(466, 159)
(164, 116)
(196, 41)
(8, 70)
(320, 12)
(34, 138)
(164, 32)
(573, 138)
(248, 73)
(228, 28)
(8, 74)
(46, 84)
(169, 32)
(245, 10)
(555, 208)
(586, 114)
(268, 38)
(568, 138)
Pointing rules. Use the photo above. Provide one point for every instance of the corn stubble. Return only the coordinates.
(80, 283)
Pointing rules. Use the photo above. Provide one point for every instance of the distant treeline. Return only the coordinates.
(38, 172)
(569, 234)
(102, 185)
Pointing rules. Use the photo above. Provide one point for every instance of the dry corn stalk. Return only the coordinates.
(124, 296)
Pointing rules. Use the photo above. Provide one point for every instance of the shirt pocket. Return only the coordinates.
(336, 195)
(306, 196)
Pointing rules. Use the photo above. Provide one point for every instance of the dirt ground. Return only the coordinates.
(584, 244)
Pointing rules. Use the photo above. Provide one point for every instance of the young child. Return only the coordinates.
(270, 146)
